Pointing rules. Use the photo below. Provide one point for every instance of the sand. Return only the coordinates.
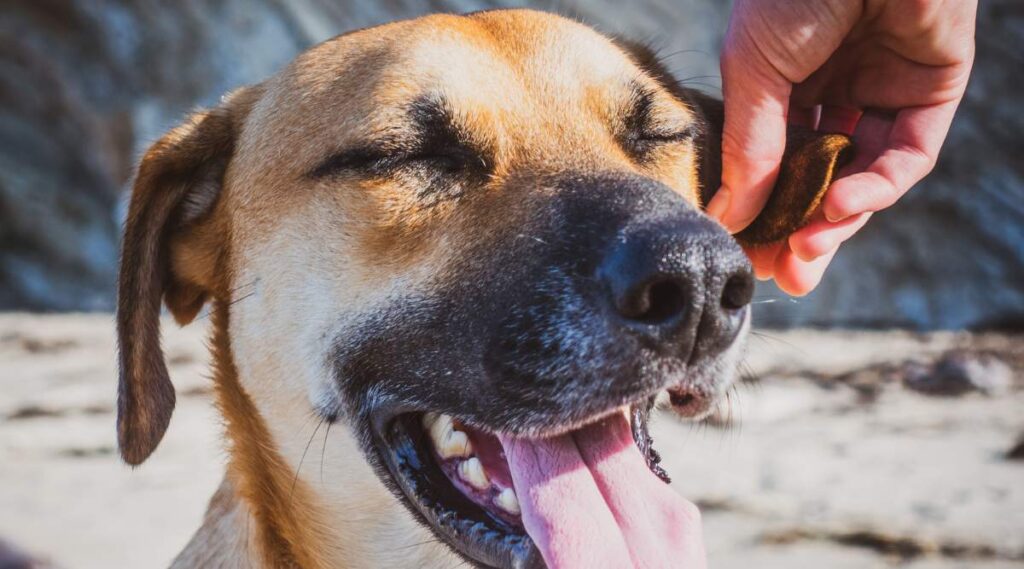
(829, 460)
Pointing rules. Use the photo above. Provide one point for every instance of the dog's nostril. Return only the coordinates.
(738, 292)
(681, 399)
(662, 300)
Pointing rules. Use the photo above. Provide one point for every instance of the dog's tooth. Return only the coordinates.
(456, 444)
(471, 471)
(448, 441)
(439, 427)
(429, 419)
(507, 500)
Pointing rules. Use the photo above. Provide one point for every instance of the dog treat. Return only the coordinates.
(808, 166)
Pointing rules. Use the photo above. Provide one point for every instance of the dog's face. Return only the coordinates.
(440, 233)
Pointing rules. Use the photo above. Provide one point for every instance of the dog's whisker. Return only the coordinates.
(241, 298)
(231, 303)
(310, 417)
(693, 78)
(773, 300)
(765, 337)
(323, 451)
(663, 56)
(711, 86)
(735, 392)
(301, 460)
(245, 285)
(747, 373)
(418, 544)
(537, 239)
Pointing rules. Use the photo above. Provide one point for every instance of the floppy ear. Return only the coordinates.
(176, 187)
(809, 164)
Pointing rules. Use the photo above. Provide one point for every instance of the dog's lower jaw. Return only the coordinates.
(271, 511)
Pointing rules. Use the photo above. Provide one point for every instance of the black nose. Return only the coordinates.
(681, 284)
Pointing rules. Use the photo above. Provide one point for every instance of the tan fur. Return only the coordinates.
(224, 211)
(284, 518)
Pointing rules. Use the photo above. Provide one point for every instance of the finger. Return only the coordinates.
(822, 236)
(909, 153)
(871, 138)
(754, 136)
(806, 117)
(796, 277)
(762, 258)
(838, 119)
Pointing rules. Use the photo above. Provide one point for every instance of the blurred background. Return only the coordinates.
(910, 381)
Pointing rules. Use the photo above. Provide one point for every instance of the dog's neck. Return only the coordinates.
(261, 515)
(265, 514)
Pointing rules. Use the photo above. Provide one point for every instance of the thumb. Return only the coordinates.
(756, 99)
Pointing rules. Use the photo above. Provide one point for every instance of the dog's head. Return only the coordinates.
(445, 232)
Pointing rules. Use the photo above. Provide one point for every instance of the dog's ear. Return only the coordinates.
(809, 163)
(168, 253)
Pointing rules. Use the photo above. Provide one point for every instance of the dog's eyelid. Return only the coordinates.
(373, 154)
(383, 158)
(347, 161)
(646, 122)
(685, 134)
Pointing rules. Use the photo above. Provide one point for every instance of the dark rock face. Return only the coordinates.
(960, 372)
(11, 558)
(85, 86)
(1016, 452)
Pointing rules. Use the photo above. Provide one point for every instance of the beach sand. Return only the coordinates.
(827, 459)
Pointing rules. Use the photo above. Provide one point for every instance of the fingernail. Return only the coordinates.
(832, 215)
(719, 204)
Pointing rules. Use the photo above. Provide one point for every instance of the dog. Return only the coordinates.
(472, 249)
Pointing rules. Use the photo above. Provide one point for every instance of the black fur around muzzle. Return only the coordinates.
(596, 292)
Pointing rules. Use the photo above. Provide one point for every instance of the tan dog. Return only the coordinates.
(467, 244)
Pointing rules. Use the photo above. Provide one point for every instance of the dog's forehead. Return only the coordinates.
(541, 52)
(515, 63)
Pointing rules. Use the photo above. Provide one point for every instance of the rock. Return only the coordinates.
(11, 558)
(1016, 452)
(86, 85)
(958, 372)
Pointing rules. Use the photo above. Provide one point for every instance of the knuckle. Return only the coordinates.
(813, 249)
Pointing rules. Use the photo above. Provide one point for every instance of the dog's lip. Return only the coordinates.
(468, 529)
(477, 537)
(689, 401)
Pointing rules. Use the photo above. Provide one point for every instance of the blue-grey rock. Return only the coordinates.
(86, 85)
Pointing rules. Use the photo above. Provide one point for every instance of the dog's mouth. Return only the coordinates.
(499, 500)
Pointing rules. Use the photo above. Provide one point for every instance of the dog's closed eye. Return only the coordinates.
(645, 130)
(388, 158)
(447, 160)
(434, 153)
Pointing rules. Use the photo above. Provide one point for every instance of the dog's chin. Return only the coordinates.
(455, 477)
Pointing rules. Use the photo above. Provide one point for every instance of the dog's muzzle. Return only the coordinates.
(563, 325)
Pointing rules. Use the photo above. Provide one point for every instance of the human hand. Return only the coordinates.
(889, 72)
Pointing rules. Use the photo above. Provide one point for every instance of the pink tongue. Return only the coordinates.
(589, 500)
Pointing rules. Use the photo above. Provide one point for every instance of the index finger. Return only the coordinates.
(754, 136)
